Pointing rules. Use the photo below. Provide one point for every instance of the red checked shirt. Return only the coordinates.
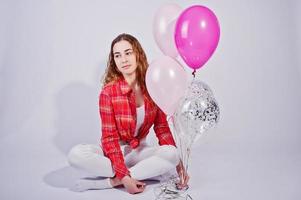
(117, 108)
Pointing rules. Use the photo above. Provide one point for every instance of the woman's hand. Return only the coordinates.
(184, 178)
(132, 185)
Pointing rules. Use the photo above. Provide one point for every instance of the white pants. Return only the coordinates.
(144, 162)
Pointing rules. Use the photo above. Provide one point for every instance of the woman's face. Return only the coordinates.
(124, 57)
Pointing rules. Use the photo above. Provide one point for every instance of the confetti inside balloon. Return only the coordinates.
(198, 111)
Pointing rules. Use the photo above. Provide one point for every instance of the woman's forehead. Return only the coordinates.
(122, 46)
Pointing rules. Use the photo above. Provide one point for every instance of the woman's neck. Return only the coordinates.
(131, 80)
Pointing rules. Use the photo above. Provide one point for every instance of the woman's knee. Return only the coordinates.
(78, 153)
(170, 153)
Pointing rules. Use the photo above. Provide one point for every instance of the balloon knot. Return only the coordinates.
(134, 143)
(193, 73)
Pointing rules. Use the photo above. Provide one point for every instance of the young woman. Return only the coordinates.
(127, 113)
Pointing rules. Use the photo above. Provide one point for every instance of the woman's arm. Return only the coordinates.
(162, 130)
(110, 137)
(111, 147)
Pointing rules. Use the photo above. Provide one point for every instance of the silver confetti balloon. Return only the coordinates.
(198, 111)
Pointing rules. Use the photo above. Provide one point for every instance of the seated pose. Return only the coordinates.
(127, 113)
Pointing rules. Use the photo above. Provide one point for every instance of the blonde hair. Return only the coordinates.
(112, 74)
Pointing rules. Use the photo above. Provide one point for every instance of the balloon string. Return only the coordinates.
(183, 146)
(167, 190)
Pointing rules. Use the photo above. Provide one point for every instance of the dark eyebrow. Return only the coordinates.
(127, 50)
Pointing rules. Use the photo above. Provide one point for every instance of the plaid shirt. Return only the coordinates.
(117, 108)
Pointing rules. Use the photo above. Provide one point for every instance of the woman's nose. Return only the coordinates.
(124, 59)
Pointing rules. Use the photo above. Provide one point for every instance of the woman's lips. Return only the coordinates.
(126, 66)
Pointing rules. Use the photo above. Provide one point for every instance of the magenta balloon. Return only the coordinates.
(197, 34)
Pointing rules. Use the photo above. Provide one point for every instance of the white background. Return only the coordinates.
(52, 57)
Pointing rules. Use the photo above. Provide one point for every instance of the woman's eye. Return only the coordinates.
(117, 56)
(128, 53)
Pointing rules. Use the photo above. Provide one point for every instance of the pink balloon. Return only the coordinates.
(164, 23)
(196, 35)
(166, 82)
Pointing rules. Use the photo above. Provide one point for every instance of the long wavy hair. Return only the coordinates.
(112, 74)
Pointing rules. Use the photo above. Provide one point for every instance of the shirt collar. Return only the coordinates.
(124, 86)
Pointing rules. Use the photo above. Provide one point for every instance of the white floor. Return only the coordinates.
(35, 169)
(52, 55)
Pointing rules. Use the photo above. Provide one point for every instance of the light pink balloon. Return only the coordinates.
(166, 82)
(163, 28)
(197, 35)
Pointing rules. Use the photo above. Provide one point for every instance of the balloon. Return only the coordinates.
(196, 35)
(166, 82)
(197, 112)
(164, 26)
